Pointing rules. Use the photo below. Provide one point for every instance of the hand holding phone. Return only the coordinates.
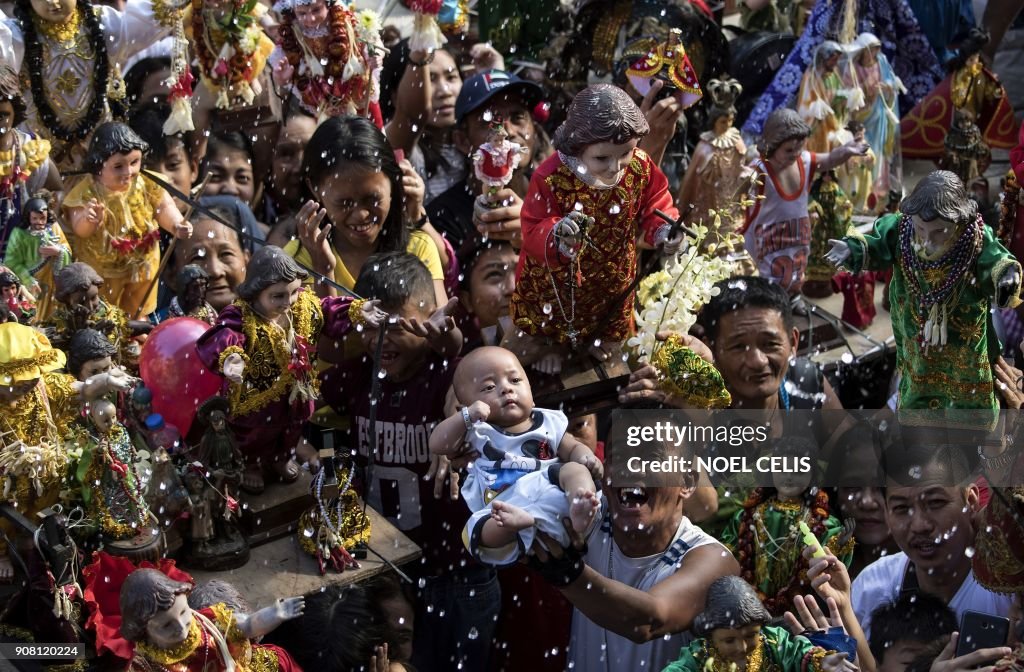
(981, 631)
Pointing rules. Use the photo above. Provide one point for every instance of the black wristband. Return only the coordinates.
(563, 571)
(425, 62)
(419, 223)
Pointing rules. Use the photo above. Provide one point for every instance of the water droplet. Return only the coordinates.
(472, 634)
(847, 358)
(546, 308)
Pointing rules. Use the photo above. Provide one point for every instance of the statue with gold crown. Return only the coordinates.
(668, 62)
(332, 65)
(69, 52)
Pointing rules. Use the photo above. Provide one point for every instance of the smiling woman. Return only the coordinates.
(356, 207)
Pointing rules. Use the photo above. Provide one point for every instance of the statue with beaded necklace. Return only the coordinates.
(948, 269)
(68, 52)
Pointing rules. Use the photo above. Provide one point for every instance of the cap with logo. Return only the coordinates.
(480, 88)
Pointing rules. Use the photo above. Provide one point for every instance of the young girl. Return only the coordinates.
(778, 227)
(585, 209)
(264, 344)
(357, 186)
(765, 536)
(116, 214)
(36, 250)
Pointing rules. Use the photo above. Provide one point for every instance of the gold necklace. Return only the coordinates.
(754, 660)
(174, 654)
(63, 33)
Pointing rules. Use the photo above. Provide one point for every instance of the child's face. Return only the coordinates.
(177, 165)
(311, 15)
(735, 644)
(6, 117)
(214, 248)
(791, 486)
(94, 367)
(277, 299)
(933, 236)
(358, 201)
(231, 175)
(491, 284)
(169, 628)
(787, 153)
(403, 352)
(88, 299)
(118, 172)
(497, 379)
(605, 160)
(9, 292)
(37, 220)
(103, 416)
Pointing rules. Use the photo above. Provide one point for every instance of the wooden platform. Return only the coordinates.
(282, 569)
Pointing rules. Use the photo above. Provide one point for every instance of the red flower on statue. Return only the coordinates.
(221, 68)
(183, 87)
(300, 364)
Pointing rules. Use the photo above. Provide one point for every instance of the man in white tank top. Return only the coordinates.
(640, 583)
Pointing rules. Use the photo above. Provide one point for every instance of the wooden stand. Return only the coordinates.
(281, 569)
(584, 386)
(275, 513)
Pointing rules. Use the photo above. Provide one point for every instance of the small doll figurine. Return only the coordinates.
(166, 496)
(496, 160)
(947, 270)
(716, 174)
(831, 217)
(111, 488)
(202, 508)
(822, 102)
(264, 345)
(733, 634)
(855, 177)
(21, 307)
(880, 118)
(218, 451)
(966, 154)
(330, 57)
(778, 226)
(169, 636)
(765, 534)
(530, 473)
(36, 251)
(116, 215)
(190, 300)
(77, 290)
(587, 206)
(216, 542)
(25, 164)
(90, 353)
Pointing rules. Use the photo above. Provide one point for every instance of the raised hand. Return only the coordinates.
(372, 314)
(414, 189)
(437, 325)
(978, 661)
(314, 238)
(94, 211)
(440, 469)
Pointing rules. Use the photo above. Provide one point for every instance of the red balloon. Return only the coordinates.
(171, 368)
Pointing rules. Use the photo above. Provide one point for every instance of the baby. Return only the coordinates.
(530, 473)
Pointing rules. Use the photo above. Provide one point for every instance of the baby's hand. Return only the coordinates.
(234, 367)
(594, 465)
(479, 411)
(94, 211)
(290, 607)
(372, 314)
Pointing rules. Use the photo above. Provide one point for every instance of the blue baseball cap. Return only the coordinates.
(480, 88)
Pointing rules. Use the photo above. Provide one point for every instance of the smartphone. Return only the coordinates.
(399, 155)
(981, 631)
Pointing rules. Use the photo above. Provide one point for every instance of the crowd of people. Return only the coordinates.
(406, 243)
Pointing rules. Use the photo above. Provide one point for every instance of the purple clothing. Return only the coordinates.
(269, 431)
(903, 42)
(406, 414)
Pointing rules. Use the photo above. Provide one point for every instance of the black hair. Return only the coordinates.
(17, 102)
(87, 345)
(975, 41)
(136, 76)
(148, 121)
(269, 266)
(229, 141)
(344, 142)
(745, 292)
(111, 138)
(339, 630)
(469, 254)
(75, 277)
(395, 278)
(914, 617)
(392, 70)
(233, 210)
(9, 278)
(34, 204)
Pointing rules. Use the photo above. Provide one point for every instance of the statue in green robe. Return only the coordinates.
(948, 270)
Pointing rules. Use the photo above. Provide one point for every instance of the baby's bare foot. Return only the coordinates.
(510, 517)
(582, 509)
